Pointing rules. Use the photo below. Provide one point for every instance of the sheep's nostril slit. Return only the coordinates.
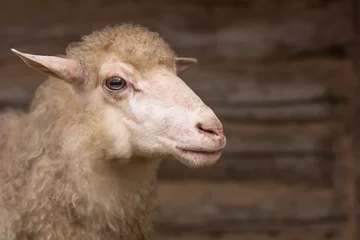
(202, 129)
(208, 131)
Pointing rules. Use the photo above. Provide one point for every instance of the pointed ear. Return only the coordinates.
(65, 69)
(184, 63)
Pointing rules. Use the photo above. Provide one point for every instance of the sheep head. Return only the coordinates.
(130, 75)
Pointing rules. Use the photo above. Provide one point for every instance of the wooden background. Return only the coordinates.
(276, 72)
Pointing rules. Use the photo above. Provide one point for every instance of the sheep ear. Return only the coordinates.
(65, 69)
(184, 63)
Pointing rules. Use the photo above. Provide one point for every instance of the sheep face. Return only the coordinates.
(161, 115)
(144, 114)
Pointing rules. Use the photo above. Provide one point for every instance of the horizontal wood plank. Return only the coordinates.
(198, 206)
(308, 112)
(286, 234)
(302, 90)
(207, 31)
(282, 138)
(312, 170)
(295, 82)
(270, 152)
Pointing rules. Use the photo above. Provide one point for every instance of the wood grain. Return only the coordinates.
(286, 234)
(267, 153)
(207, 30)
(199, 206)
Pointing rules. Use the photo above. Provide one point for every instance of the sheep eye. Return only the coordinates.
(115, 83)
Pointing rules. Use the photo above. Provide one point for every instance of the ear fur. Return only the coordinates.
(65, 69)
(183, 63)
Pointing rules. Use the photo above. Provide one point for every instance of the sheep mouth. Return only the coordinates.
(199, 152)
(196, 158)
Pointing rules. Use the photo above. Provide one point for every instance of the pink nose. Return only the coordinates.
(211, 131)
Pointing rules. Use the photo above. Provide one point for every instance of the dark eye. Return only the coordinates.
(115, 83)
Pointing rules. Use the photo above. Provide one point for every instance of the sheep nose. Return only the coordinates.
(210, 130)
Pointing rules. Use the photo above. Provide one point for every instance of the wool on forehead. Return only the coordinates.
(132, 44)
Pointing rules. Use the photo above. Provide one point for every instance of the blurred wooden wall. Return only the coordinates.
(276, 72)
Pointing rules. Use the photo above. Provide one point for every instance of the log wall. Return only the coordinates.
(277, 73)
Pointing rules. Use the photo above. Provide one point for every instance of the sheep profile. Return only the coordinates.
(82, 162)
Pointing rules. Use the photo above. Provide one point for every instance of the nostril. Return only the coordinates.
(204, 129)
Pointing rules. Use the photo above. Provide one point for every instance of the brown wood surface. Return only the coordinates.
(207, 30)
(269, 153)
(199, 206)
(292, 234)
(312, 170)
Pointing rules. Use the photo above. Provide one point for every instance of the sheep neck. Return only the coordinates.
(112, 201)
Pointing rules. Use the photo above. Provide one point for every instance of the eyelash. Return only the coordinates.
(127, 85)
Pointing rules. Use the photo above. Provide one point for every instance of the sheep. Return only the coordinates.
(81, 163)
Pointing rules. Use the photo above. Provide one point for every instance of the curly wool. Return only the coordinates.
(136, 45)
(47, 189)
